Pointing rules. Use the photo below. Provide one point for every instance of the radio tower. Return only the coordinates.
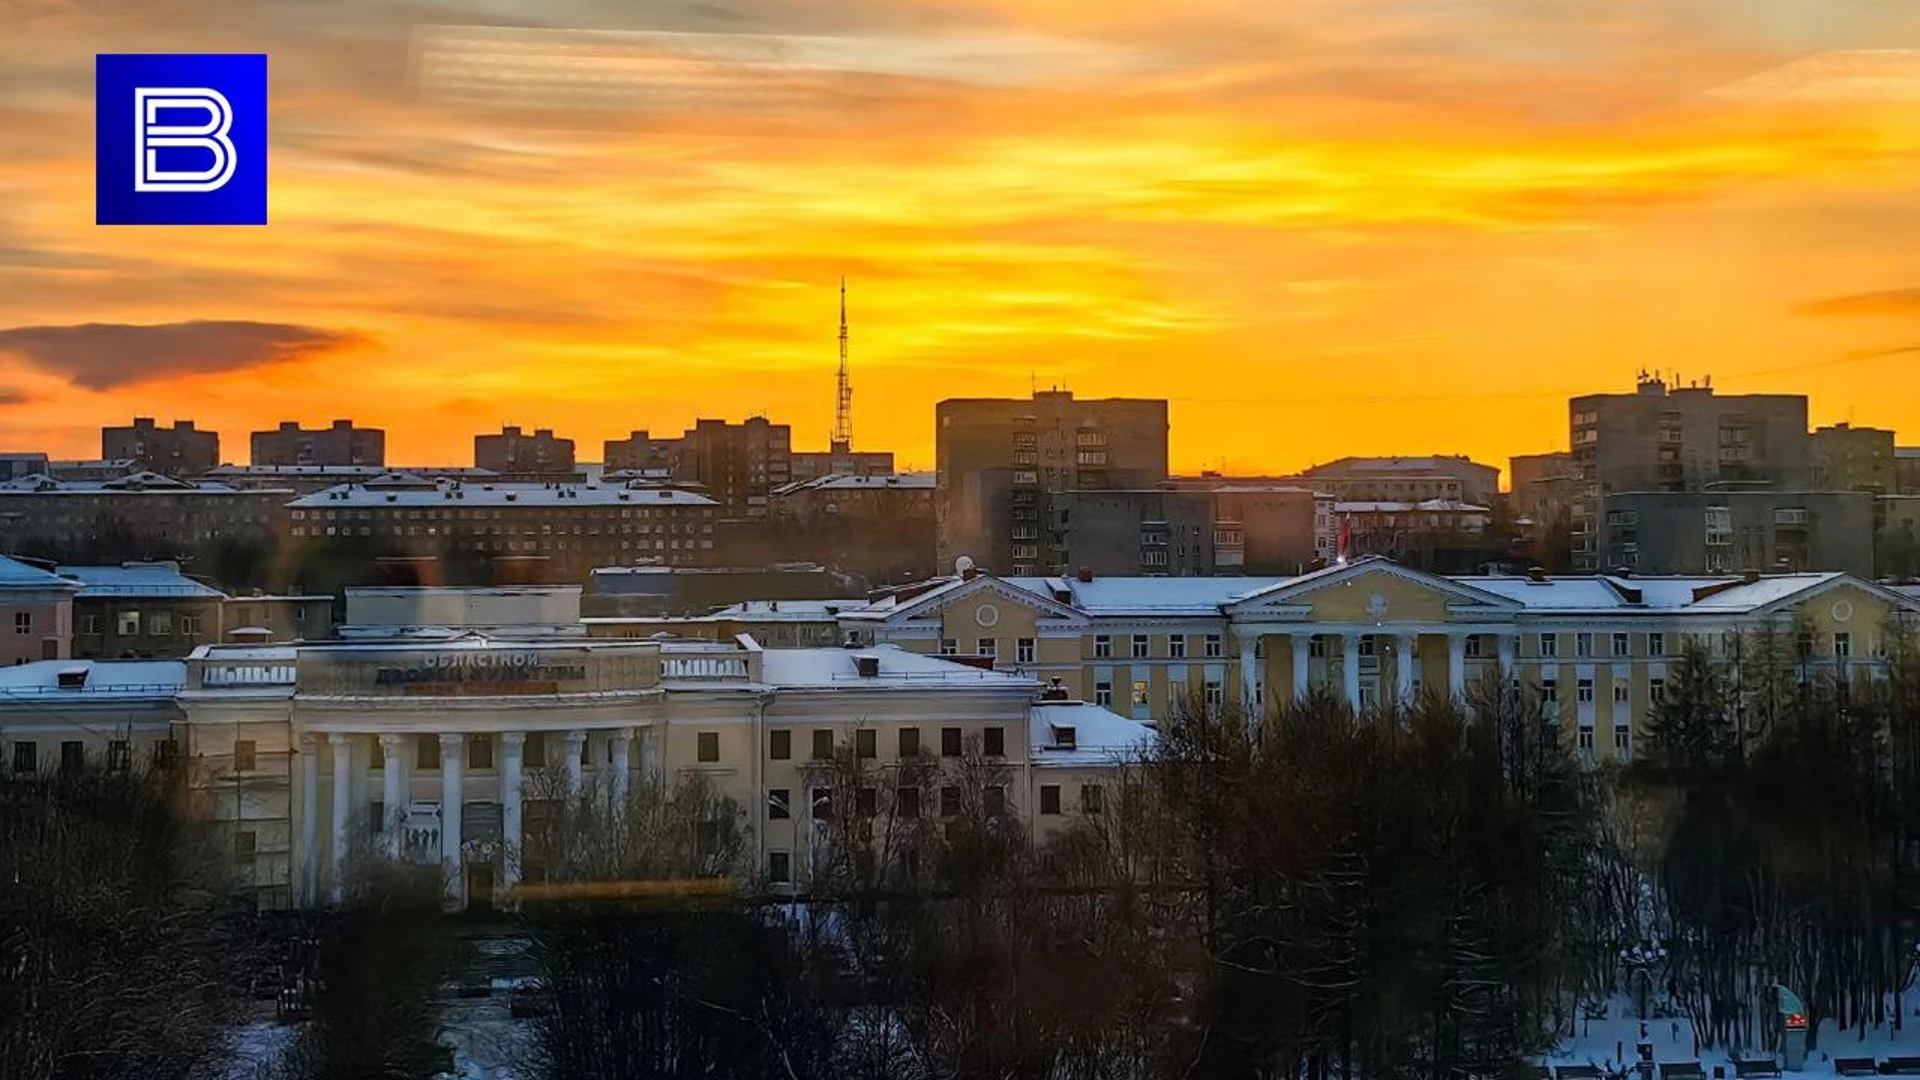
(843, 388)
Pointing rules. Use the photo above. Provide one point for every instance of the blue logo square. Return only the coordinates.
(180, 139)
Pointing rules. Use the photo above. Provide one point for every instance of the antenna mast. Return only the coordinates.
(843, 387)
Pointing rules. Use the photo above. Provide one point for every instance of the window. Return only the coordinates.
(823, 744)
(244, 846)
(1621, 645)
(1583, 644)
(160, 622)
(1092, 798)
(1469, 648)
(1215, 698)
(1103, 692)
(1140, 692)
(866, 743)
(707, 746)
(779, 804)
(988, 647)
(1023, 650)
(244, 756)
(1619, 692)
(426, 752)
(779, 867)
(376, 817)
(906, 802)
(1583, 690)
(1215, 648)
(1623, 739)
(994, 800)
(26, 758)
(1719, 526)
(1177, 646)
(949, 801)
(1586, 738)
(1317, 646)
(1549, 690)
(949, 646)
(533, 752)
(1842, 646)
(89, 624)
(165, 753)
(189, 625)
(909, 743)
(129, 623)
(1656, 644)
(1366, 645)
(1657, 690)
(119, 755)
(376, 754)
(823, 804)
(1049, 799)
(73, 756)
(23, 622)
(995, 742)
(1549, 644)
(780, 744)
(480, 751)
(866, 801)
(949, 742)
(1141, 647)
(1102, 646)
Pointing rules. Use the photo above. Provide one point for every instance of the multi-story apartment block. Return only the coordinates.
(1541, 486)
(1683, 438)
(1598, 648)
(152, 611)
(514, 451)
(1449, 477)
(879, 527)
(738, 465)
(574, 527)
(36, 613)
(452, 753)
(1002, 462)
(1848, 458)
(811, 464)
(340, 444)
(1188, 531)
(1906, 469)
(143, 516)
(182, 450)
(639, 452)
(1719, 532)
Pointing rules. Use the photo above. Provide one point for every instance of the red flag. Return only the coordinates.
(1345, 536)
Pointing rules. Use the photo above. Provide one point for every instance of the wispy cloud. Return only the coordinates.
(107, 356)
(1882, 302)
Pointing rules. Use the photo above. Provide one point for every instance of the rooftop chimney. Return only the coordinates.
(1750, 576)
(1537, 575)
(1086, 574)
(868, 665)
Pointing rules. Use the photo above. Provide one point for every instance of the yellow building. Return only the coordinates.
(1598, 647)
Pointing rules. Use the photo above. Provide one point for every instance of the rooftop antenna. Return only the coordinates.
(843, 387)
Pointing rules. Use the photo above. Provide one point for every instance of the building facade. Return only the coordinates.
(181, 450)
(1683, 438)
(878, 527)
(514, 451)
(1001, 462)
(639, 452)
(339, 444)
(143, 516)
(1693, 532)
(1449, 477)
(36, 613)
(1541, 486)
(1848, 458)
(812, 464)
(738, 466)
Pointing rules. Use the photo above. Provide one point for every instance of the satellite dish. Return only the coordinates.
(962, 564)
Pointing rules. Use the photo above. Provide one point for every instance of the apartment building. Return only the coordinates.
(36, 613)
(1446, 477)
(1001, 464)
(340, 444)
(1848, 458)
(1680, 438)
(738, 466)
(839, 461)
(1541, 486)
(515, 451)
(181, 450)
(1720, 532)
(143, 516)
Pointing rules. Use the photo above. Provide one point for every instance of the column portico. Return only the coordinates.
(1350, 667)
(453, 868)
(512, 766)
(1249, 667)
(393, 792)
(1406, 654)
(1302, 650)
(619, 744)
(576, 748)
(1456, 664)
(342, 803)
(1509, 644)
(309, 747)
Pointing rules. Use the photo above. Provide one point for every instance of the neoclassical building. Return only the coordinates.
(446, 721)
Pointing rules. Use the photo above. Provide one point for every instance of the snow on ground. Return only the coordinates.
(1604, 1043)
(255, 1050)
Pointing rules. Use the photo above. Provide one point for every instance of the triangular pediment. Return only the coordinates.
(1381, 584)
(930, 605)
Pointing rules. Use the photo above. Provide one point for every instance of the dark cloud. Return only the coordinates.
(1882, 302)
(105, 356)
(12, 396)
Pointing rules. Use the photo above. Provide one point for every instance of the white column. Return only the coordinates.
(1509, 643)
(1350, 667)
(1405, 655)
(453, 870)
(512, 744)
(1302, 664)
(309, 819)
(342, 802)
(1457, 664)
(1249, 669)
(650, 740)
(393, 790)
(620, 746)
(576, 748)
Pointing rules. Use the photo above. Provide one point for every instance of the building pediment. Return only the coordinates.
(932, 605)
(1371, 590)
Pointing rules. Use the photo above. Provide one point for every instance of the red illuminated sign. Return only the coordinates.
(1796, 1021)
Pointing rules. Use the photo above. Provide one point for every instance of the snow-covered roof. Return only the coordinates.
(1148, 596)
(297, 470)
(1428, 506)
(16, 575)
(922, 481)
(839, 669)
(118, 678)
(448, 492)
(136, 580)
(784, 610)
(1099, 736)
(134, 484)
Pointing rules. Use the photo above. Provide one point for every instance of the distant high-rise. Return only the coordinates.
(738, 465)
(1848, 458)
(1680, 438)
(638, 452)
(514, 451)
(1002, 461)
(340, 444)
(182, 450)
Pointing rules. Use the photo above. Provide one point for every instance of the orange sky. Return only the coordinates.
(1320, 227)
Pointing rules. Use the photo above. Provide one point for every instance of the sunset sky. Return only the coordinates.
(1319, 227)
